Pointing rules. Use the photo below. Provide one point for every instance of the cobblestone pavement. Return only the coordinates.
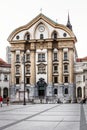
(44, 117)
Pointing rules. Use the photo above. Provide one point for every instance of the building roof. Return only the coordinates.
(82, 59)
(4, 64)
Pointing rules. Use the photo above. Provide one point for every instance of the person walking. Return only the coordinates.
(1, 100)
(7, 101)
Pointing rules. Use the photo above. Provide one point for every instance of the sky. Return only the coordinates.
(16, 13)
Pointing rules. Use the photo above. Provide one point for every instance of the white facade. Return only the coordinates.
(80, 70)
(49, 51)
(4, 80)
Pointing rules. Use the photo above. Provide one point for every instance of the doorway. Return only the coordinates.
(41, 88)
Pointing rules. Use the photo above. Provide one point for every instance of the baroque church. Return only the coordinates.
(43, 53)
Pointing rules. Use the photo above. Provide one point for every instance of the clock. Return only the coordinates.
(41, 28)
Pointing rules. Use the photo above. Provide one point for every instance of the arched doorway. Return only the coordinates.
(5, 92)
(41, 88)
(79, 92)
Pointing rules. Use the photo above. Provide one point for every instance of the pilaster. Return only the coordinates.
(60, 52)
(71, 66)
(33, 68)
(13, 67)
(49, 63)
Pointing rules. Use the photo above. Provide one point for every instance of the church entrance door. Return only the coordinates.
(41, 88)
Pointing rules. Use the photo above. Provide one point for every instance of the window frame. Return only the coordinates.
(17, 58)
(17, 80)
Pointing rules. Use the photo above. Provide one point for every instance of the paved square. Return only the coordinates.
(44, 117)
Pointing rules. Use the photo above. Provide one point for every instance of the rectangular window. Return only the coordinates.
(28, 69)
(28, 57)
(41, 36)
(27, 80)
(17, 69)
(65, 56)
(55, 56)
(66, 79)
(55, 68)
(65, 68)
(5, 78)
(41, 57)
(55, 79)
(17, 80)
(17, 58)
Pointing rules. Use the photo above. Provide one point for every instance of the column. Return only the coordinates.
(50, 67)
(49, 91)
(60, 69)
(13, 68)
(33, 68)
(22, 67)
(32, 74)
(71, 66)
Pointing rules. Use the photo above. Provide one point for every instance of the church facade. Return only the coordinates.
(42, 61)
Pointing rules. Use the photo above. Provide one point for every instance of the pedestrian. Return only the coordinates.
(1, 100)
(7, 100)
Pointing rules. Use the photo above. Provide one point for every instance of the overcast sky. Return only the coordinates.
(16, 13)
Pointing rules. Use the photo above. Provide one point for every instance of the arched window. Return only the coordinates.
(79, 92)
(27, 36)
(54, 35)
(55, 91)
(66, 90)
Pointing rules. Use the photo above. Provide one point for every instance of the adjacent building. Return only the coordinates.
(42, 60)
(4, 79)
(80, 69)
